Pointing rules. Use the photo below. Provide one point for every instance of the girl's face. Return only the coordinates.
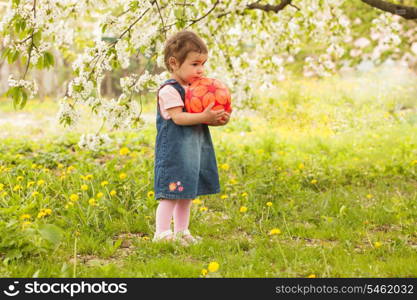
(191, 69)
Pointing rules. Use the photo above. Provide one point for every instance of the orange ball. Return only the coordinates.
(204, 91)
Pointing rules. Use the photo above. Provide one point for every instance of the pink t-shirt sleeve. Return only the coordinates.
(168, 97)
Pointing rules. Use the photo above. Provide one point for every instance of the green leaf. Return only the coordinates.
(48, 60)
(37, 38)
(51, 233)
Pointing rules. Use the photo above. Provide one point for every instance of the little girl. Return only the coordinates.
(185, 162)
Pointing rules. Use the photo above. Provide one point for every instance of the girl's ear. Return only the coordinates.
(173, 63)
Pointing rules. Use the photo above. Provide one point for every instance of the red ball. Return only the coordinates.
(204, 91)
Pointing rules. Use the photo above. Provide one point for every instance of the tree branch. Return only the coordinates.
(407, 12)
(268, 7)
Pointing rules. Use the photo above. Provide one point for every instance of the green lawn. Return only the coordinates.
(332, 169)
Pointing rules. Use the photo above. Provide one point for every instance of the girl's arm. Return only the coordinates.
(207, 116)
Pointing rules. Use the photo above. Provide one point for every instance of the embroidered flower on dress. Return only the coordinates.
(181, 188)
(178, 182)
(172, 186)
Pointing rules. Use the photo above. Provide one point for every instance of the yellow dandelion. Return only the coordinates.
(369, 196)
(47, 211)
(414, 162)
(197, 201)
(233, 181)
(145, 238)
(148, 217)
(17, 187)
(124, 151)
(311, 276)
(74, 197)
(243, 209)
(41, 214)
(213, 266)
(204, 208)
(122, 176)
(151, 194)
(30, 183)
(25, 216)
(274, 231)
(269, 204)
(26, 224)
(33, 166)
(244, 194)
(60, 166)
(19, 178)
(224, 167)
(113, 193)
(46, 170)
(204, 272)
(84, 187)
(70, 169)
(104, 183)
(224, 197)
(92, 202)
(301, 166)
(4, 194)
(377, 244)
(62, 177)
(1, 186)
(99, 195)
(40, 182)
(314, 181)
(89, 177)
(35, 193)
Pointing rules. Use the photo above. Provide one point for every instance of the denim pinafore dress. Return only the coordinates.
(185, 162)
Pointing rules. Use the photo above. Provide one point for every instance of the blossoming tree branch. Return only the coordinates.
(252, 44)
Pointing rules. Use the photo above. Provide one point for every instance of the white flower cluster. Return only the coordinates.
(30, 86)
(67, 115)
(123, 53)
(94, 142)
(121, 113)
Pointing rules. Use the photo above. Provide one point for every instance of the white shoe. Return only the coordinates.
(163, 236)
(185, 238)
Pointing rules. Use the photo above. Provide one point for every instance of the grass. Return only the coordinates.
(338, 168)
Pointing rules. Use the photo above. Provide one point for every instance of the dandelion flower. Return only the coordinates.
(89, 177)
(70, 169)
(274, 231)
(26, 224)
(122, 176)
(224, 167)
(99, 195)
(311, 276)
(1, 186)
(213, 266)
(369, 196)
(104, 183)
(17, 187)
(19, 178)
(151, 194)
(203, 208)
(33, 166)
(301, 166)
(25, 216)
(233, 181)
(243, 209)
(377, 244)
(84, 187)
(145, 238)
(269, 204)
(314, 181)
(204, 272)
(244, 194)
(35, 193)
(40, 182)
(74, 197)
(124, 151)
(30, 183)
(60, 166)
(92, 202)
(197, 201)
(113, 193)
(224, 197)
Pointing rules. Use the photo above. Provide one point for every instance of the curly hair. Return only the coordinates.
(182, 43)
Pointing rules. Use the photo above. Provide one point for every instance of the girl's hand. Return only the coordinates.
(213, 116)
(223, 121)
